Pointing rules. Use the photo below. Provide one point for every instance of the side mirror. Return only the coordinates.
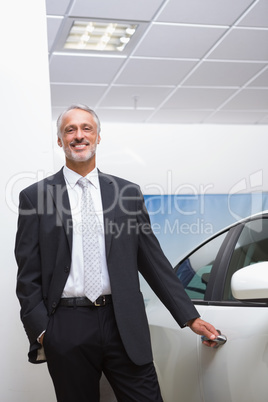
(251, 282)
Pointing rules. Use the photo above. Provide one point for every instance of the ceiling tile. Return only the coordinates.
(57, 7)
(53, 25)
(192, 73)
(238, 117)
(117, 9)
(178, 41)
(83, 69)
(264, 120)
(249, 99)
(171, 116)
(261, 80)
(223, 74)
(243, 44)
(258, 16)
(198, 98)
(135, 96)
(70, 94)
(122, 115)
(154, 72)
(220, 12)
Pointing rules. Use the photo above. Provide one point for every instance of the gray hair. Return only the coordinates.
(81, 107)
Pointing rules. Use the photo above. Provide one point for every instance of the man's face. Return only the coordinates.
(79, 136)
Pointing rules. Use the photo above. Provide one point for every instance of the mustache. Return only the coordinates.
(76, 141)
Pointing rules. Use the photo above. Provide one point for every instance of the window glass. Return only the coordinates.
(194, 271)
(251, 247)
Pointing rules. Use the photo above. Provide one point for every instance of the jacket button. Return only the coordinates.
(66, 269)
(54, 305)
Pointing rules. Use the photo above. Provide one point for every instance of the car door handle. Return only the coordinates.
(220, 340)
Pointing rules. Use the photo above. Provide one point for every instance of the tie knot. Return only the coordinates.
(83, 182)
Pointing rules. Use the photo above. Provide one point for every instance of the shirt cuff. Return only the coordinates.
(38, 339)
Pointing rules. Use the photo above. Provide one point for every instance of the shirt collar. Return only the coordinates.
(72, 177)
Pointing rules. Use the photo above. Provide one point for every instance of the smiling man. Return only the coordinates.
(78, 282)
(81, 134)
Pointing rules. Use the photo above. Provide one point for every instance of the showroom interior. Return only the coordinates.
(183, 108)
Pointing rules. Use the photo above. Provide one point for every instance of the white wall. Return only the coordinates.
(25, 149)
(162, 159)
(184, 159)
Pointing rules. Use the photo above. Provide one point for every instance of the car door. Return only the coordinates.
(238, 370)
(176, 351)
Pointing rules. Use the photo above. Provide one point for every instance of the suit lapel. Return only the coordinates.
(58, 191)
(107, 187)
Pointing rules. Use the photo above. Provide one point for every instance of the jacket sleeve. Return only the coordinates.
(158, 272)
(29, 284)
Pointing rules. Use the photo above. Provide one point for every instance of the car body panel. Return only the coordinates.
(238, 370)
(190, 371)
(177, 368)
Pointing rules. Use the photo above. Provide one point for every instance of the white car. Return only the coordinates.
(227, 279)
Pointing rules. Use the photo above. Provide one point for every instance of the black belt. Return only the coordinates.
(85, 302)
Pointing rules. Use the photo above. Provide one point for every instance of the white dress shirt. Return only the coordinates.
(74, 286)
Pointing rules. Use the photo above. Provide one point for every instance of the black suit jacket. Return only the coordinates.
(43, 253)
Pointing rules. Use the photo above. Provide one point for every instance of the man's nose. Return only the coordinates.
(79, 133)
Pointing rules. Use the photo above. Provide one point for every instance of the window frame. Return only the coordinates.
(215, 288)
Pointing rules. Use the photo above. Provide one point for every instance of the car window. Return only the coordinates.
(194, 271)
(251, 247)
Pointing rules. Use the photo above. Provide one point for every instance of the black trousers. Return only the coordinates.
(82, 342)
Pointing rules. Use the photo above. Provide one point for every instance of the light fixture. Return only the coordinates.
(100, 36)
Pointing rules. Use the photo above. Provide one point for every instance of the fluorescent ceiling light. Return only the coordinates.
(99, 36)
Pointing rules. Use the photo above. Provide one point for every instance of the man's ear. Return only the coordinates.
(99, 138)
(59, 142)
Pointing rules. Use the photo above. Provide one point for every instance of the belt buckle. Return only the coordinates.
(100, 304)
